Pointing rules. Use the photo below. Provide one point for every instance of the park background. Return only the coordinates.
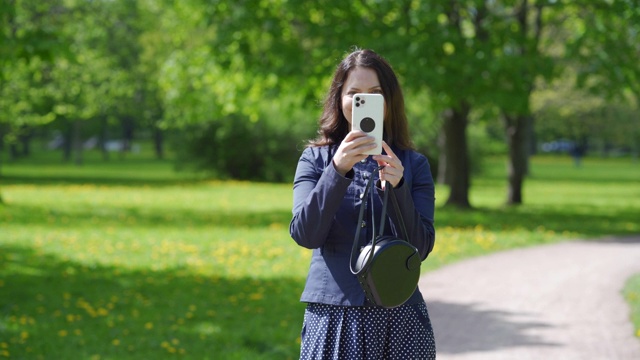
(147, 150)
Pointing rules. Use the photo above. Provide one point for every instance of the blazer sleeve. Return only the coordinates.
(416, 200)
(318, 190)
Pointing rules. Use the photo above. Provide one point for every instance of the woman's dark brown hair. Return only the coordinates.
(334, 127)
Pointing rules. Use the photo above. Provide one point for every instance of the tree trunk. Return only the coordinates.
(67, 136)
(1, 154)
(102, 142)
(25, 140)
(14, 154)
(456, 152)
(443, 175)
(77, 141)
(127, 133)
(517, 131)
(518, 121)
(158, 141)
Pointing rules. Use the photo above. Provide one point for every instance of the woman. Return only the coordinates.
(330, 178)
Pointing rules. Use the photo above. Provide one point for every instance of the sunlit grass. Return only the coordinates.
(632, 295)
(129, 259)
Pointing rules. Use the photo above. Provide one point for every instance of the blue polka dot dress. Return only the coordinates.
(367, 332)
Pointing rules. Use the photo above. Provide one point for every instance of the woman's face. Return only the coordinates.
(360, 80)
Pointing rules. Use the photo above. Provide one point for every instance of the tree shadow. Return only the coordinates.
(97, 179)
(589, 221)
(55, 308)
(112, 216)
(462, 328)
(619, 239)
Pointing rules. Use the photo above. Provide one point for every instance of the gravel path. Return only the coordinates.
(560, 301)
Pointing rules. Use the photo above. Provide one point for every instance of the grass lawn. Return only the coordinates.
(632, 295)
(130, 260)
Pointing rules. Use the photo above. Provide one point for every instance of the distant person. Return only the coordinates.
(330, 178)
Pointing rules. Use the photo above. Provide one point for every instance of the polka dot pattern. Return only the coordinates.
(344, 332)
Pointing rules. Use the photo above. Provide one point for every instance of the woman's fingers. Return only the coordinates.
(351, 150)
(393, 170)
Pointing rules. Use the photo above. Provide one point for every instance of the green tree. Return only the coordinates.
(28, 32)
(605, 47)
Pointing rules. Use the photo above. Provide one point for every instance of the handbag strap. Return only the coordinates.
(388, 190)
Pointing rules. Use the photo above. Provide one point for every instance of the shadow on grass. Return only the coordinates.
(52, 308)
(589, 221)
(97, 179)
(137, 216)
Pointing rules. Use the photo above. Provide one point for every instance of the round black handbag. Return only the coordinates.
(388, 268)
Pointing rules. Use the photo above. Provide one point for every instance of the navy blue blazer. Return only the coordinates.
(325, 215)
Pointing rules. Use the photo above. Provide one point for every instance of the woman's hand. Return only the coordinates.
(351, 150)
(393, 170)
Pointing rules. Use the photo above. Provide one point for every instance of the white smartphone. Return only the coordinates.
(367, 114)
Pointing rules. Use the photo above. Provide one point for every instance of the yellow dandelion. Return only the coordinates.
(63, 333)
(148, 326)
(24, 335)
(115, 342)
(5, 353)
(165, 344)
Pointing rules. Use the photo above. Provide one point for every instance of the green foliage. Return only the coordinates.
(576, 114)
(29, 39)
(192, 64)
(236, 148)
(605, 45)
